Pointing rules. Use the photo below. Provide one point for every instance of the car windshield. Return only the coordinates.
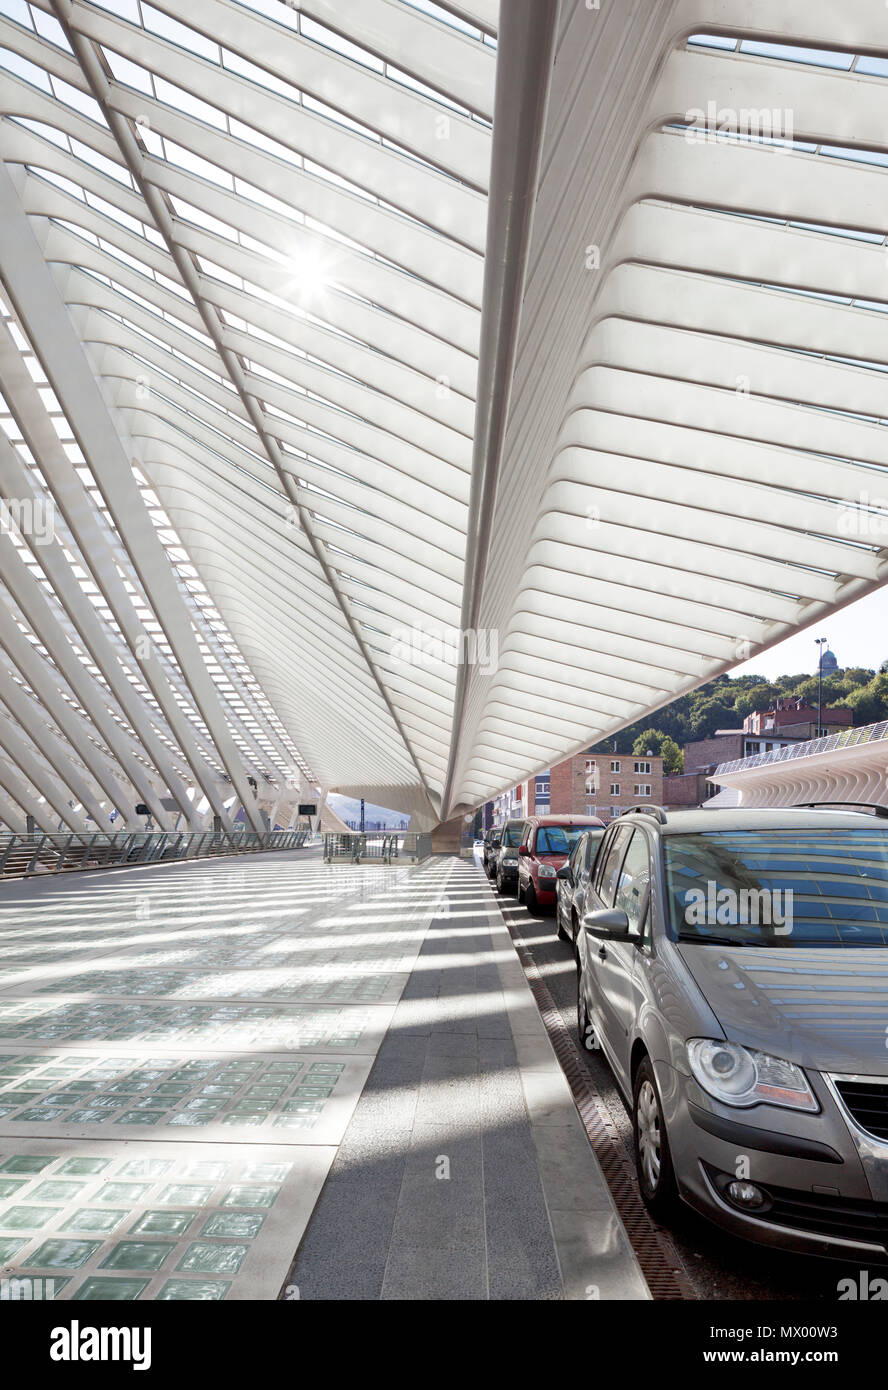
(817, 887)
(557, 839)
(512, 835)
(493, 838)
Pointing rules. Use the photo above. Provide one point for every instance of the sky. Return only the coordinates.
(857, 634)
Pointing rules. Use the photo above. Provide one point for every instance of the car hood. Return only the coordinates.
(820, 1007)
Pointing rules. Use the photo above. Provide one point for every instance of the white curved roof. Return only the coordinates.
(244, 302)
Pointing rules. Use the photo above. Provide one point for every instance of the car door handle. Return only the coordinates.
(602, 953)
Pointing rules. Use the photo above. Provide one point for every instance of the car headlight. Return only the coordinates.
(742, 1076)
(546, 871)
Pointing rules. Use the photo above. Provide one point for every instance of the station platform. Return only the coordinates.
(271, 1078)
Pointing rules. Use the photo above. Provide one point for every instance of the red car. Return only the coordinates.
(546, 842)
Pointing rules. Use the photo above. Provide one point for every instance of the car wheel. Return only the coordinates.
(500, 882)
(561, 932)
(653, 1160)
(530, 898)
(574, 938)
(585, 1026)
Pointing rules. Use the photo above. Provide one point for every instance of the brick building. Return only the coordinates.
(605, 784)
(796, 719)
(685, 790)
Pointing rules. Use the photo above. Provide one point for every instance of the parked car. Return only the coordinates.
(504, 862)
(733, 969)
(545, 845)
(490, 844)
(571, 882)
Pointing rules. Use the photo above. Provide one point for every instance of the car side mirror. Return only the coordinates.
(524, 851)
(607, 921)
(565, 873)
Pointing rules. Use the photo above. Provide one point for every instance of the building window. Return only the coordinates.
(644, 768)
(615, 789)
(542, 808)
(591, 810)
(642, 789)
(615, 811)
(591, 765)
(615, 767)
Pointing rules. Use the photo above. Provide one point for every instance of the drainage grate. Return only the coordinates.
(657, 1257)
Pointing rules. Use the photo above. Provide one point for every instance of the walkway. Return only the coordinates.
(185, 1051)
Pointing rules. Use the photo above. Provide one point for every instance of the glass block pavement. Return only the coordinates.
(227, 1025)
(295, 1097)
(179, 1057)
(107, 1222)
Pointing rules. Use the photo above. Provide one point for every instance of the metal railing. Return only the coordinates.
(376, 847)
(848, 738)
(24, 855)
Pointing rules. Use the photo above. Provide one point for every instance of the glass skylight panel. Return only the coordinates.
(115, 213)
(59, 181)
(789, 53)
(445, 16)
(151, 140)
(18, 11)
(328, 38)
(713, 41)
(264, 142)
(859, 156)
(190, 213)
(46, 132)
(48, 27)
(130, 74)
(404, 78)
(242, 67)
(320, 109)
(116, 171)
(71, 96)
(122, 256)
(28, 72)
(166, 28)
(195, 164)
(191, 105)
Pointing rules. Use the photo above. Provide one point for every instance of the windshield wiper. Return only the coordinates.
(716, 940)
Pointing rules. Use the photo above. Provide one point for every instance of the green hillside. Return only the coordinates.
(725, 702)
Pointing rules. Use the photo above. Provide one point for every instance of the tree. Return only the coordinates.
(650, 741)
(661, 745)
(673, 756)
(870, 702)
(709, 715)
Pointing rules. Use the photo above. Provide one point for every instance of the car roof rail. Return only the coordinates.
(656, 813)
(877, 809)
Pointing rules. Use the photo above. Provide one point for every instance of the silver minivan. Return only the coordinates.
(733, 970)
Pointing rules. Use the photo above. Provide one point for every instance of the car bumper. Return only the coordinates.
(508, 871)
(820, 1201)
(545, 892)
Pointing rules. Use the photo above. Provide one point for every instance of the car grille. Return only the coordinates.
(817, 1213)
(868, 1103)
(845, 1218)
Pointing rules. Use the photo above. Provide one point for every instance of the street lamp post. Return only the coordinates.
(821, 643)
